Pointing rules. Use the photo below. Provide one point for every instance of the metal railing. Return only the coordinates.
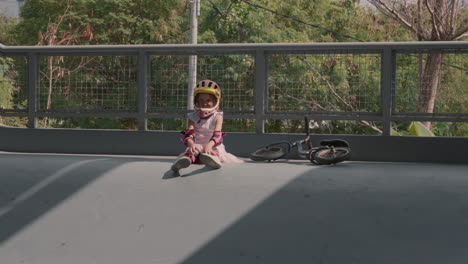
(326, 81)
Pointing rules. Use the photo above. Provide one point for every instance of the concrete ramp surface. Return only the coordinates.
(78, 209)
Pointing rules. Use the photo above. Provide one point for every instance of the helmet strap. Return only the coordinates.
(206, 112)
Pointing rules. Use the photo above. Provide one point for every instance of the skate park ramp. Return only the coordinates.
(74, 209)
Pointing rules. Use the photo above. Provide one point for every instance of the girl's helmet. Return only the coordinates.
(208, 87)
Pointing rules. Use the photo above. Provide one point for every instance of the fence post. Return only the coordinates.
(142, 90)
(260, 90)
(387, 81)
(33, 84)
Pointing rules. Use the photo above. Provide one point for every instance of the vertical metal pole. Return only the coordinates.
(260, 90)
(142, 88)
(387, 76)
(192, 76)
(33, 85)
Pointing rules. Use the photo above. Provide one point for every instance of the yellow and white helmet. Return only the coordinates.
(208, 87)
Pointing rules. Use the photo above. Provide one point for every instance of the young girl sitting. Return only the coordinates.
(204, 137)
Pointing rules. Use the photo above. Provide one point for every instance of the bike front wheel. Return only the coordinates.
(329, 156)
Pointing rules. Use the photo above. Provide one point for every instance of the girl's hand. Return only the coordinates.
(209, 150)
(192, 150)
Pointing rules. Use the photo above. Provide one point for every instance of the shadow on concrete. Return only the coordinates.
(33, 184)
(382, 213)
(169, 174)
(200, 170)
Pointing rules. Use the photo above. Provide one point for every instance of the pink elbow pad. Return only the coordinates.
(217, 137)
(186, 135)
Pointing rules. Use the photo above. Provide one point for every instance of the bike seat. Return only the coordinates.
(335, 143)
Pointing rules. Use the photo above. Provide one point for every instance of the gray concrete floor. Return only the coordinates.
(132, 209)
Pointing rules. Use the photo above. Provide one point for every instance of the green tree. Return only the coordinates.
(435, 20)
(47, 22)
(106, 21)
(240, 21)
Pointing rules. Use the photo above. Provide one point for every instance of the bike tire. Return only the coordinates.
(268, 153)
(312, 153)
(329, 156)
(335, 143)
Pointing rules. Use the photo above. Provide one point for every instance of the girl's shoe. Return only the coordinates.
(180, 163)
(210, 160)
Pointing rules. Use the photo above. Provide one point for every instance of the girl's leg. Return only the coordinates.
(184, 161)
(192, 157)
(209, 160)
(181, 163)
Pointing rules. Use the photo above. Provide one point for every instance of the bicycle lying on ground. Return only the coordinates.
(329, 152)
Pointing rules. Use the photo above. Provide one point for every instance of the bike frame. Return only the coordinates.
(304, 152)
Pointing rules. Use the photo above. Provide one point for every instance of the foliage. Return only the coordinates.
(6, 26)
(418, 129)
(428, 20)
(6, 85)
(91, 123)
(235, 21)
(106, 21)
(413, 129)
(10, 96)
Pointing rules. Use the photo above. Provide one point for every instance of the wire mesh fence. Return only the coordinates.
(434, 81)
(13, 84)
(169, 81)
(324, 82)
(13, 91)
(98, 83)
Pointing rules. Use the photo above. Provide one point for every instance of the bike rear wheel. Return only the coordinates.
(312, 153)
(329, 156)
(268, 153)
